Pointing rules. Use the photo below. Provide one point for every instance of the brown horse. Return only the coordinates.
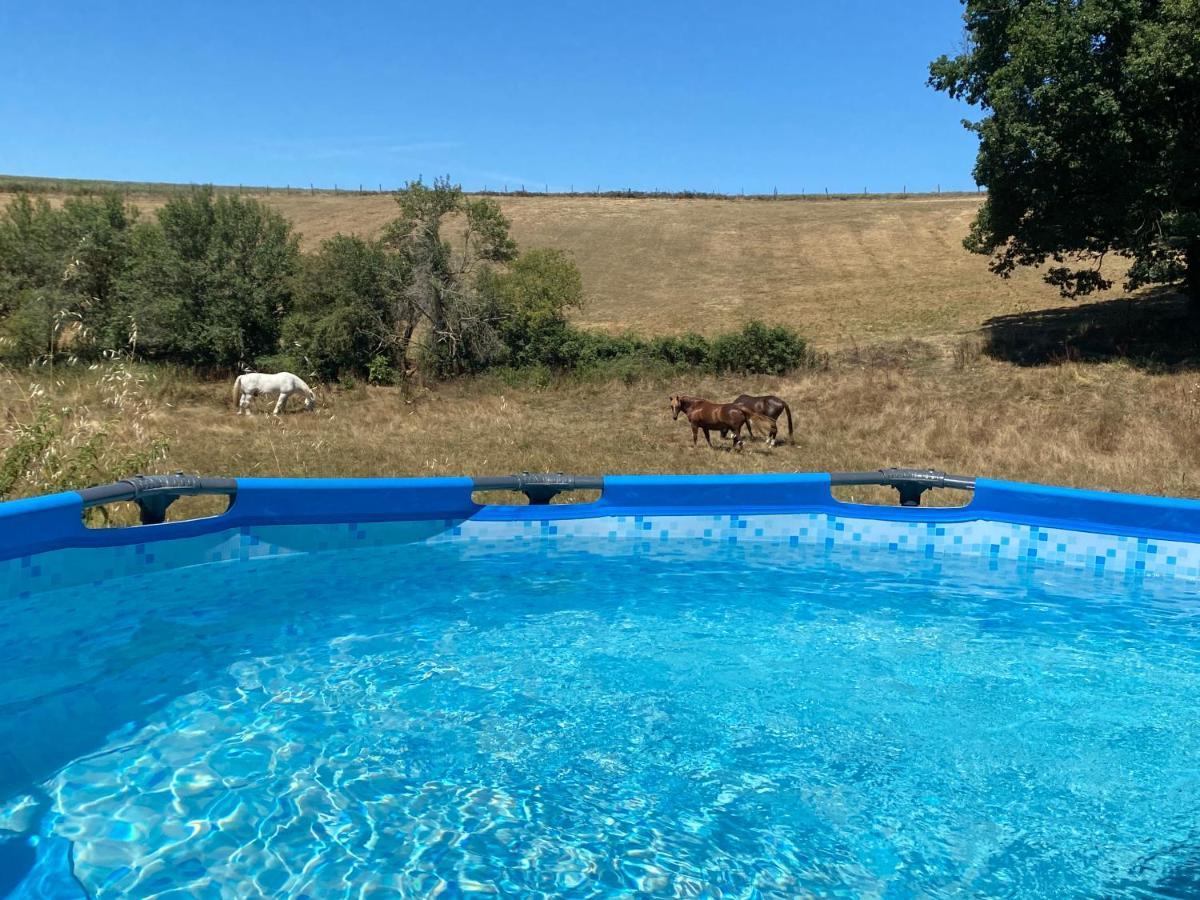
(771, 407)
(704, 415)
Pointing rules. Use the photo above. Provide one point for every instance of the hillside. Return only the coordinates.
(844, 271)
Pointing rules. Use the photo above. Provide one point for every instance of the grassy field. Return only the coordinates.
(927, 359)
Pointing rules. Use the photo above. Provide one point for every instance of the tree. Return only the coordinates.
(344, 310)
(59, 268)
(444, 279)
(210, 282)
(33, 253)
(1090, 139)
(533, 297)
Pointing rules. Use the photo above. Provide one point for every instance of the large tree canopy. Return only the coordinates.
(1090, 140)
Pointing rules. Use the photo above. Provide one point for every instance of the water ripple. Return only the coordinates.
(713, 724)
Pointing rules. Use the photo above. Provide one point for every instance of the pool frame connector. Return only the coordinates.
(154, 494)
(539, 488)
(910, 484)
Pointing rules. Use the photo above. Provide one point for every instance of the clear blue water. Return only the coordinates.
(694, 721)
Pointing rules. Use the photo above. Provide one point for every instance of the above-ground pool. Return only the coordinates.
(693, 686)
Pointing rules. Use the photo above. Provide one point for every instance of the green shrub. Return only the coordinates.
(758, 348)
(284, 361)
(343, 309)
(380, 371)
(61, 265)
(688, 350)
(34, 328)
(208, 284)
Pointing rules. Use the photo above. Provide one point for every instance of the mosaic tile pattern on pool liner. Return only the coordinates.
(1099, 553)
(76, 566)
(623, 534)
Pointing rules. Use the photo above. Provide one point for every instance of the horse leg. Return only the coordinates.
(244, 405)
(771, 439)
(708, 439)
(737, 437)
(283, 395)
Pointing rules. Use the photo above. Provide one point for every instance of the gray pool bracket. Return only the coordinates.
(910, 484)
(539, 487)
(154, 494)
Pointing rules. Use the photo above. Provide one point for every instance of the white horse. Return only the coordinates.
(250, 385)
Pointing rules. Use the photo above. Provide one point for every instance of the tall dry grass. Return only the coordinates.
(56, 438)
(1107, 426)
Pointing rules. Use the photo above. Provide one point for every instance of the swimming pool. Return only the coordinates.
(702, 686)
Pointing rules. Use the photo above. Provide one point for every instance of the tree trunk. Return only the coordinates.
(1191, 258)
(403, 345)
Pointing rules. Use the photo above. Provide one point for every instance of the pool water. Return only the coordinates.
(745, 721)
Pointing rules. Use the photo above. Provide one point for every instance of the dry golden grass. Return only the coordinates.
(1101, 426)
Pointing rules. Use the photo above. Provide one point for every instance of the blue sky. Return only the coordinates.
(802, 95)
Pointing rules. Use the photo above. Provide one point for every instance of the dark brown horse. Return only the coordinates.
(771, 407)
(706, 416)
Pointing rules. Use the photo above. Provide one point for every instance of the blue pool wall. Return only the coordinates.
(44, 544)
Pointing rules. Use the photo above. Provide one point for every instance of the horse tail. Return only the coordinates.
(757, 417)
(764, 420)
(787, 409)
(237, 391)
